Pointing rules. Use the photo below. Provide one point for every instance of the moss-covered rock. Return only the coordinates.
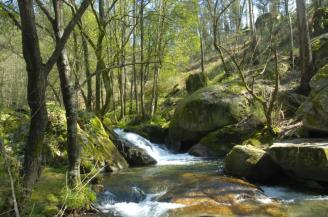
(320, 50)
(320, 79)
(96, 143)
(314, 111)
(221, 141)
(252, 163)
(302, 158)
(209, 109)
(195, 82)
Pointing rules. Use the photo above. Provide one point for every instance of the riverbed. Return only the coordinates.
(162, 190)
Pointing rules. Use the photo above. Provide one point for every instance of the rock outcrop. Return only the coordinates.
(210, 109)
(314, 111)
(302, 158)
(252, 163)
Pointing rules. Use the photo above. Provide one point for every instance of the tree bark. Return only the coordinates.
(35, 94)
(37, 79)
(87, 73)
(69, 99)
(142, 73)
(305, 47)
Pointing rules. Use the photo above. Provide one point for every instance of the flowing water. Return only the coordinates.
(161, 190)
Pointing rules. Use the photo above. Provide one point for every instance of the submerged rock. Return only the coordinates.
(210, 109)
(302, 158)
(252, 163)
(206, 195)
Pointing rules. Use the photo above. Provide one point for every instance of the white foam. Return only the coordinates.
(288, 195)
(158, 152)
(146, 208)
(143, 209)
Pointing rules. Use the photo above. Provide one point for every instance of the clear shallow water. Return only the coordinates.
(137, 192)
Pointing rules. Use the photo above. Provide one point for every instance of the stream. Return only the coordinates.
(173, 186)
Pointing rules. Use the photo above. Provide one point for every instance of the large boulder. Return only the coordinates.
(221, 141)
(320, 50)
(210, 109)
(314, 111)
(302, 158)
(195, 82)
(252, 163)
(96, 144)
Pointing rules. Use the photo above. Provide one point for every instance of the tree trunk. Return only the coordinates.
(305, 47)
(87, 73)
(37, 79)
(69, 99)
(142, 73)
(291, 35)
(36, 87)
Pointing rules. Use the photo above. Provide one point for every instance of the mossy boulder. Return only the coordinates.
(252, 163)
(221, 141)
(302, 158)
(210, 109)
(96, 143)
(195, 82)
(320, 79)
(314, 111)
(320, 50)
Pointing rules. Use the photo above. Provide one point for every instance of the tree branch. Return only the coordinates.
(69, 28)
(11, 15)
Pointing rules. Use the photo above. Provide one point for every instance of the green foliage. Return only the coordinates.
(77, 199)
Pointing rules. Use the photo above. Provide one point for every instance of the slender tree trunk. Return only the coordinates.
(251, 23)
(291, 35)
(305, 47)
(142, 73)
(201, 52)
(36, 88)
(37, 80)
(69, 99)
(134, 70)
(99, 49)
(87, 73)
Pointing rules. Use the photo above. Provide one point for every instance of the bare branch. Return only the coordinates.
(69, 28)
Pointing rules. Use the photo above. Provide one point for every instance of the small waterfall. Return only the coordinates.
(158, 152)
(145, 207)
